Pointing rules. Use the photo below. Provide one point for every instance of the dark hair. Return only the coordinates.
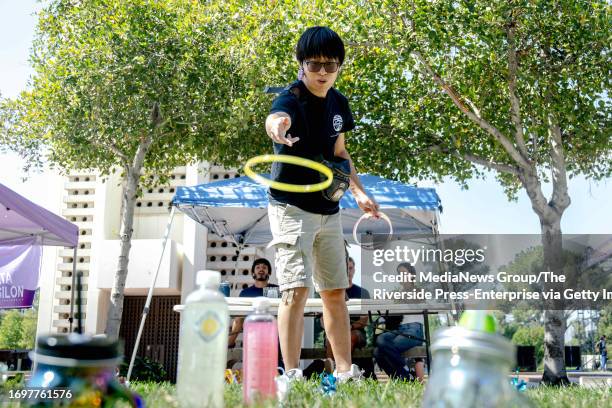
(319, 42)
(261, 261)
(408, 266)
(350, 259)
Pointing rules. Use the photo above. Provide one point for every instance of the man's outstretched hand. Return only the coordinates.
(277, 130)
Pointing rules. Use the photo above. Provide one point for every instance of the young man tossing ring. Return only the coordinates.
(309, 119)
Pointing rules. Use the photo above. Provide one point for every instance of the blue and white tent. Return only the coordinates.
(236, 209)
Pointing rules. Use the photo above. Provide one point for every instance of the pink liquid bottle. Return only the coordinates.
(260, 356)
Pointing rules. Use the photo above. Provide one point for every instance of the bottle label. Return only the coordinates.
(209, 326)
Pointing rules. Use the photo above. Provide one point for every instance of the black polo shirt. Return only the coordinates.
(317, 122)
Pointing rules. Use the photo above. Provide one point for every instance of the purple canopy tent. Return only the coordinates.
(24, 228)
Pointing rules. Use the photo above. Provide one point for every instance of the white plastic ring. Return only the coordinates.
(382, 215)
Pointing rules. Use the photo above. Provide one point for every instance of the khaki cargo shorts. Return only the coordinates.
(309, 248)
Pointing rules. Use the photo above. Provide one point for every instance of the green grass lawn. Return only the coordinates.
(370, 394)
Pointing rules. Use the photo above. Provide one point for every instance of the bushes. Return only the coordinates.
(18, 329)
(144, 369)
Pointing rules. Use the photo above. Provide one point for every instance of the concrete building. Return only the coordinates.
(94, 205)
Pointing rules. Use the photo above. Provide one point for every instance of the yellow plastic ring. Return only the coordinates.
(285, 158)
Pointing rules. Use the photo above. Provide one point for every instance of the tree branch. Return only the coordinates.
(515, 105)
(533, 187)
(141, 152)
(458, 100)
(500, 167)
(472, 114)
(114, 149)
(560, 198)
(473, 106)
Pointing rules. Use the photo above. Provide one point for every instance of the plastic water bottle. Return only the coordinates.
(260, 356)
(471, 367)
(203, 344)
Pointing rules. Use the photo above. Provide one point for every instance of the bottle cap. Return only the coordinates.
(478, 320)
(208, 278)
(76, 350)
(261, 303)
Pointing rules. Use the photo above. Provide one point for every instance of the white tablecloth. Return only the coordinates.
(242, 306)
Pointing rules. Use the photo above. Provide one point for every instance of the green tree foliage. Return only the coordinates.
(137, 86)
(505, 325)
(604, 325)
(435, 84)
(110, 73)
(520, 317)
(18, 327)
(11, 330)
(530, 262)
(28, 329)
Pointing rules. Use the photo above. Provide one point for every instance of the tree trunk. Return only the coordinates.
(130, 191)
(549, 213)
(115, 311)
(554, 319)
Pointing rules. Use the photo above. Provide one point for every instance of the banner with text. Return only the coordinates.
(20, 262)
(495, 272)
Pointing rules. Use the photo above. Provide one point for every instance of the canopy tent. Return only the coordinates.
(19, 217)
(24, 228)
(236, 209)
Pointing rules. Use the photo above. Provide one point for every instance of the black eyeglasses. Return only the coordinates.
(330, 67)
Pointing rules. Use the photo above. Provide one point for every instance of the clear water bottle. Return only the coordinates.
(260, 356)
(471, 367)
(203, 344)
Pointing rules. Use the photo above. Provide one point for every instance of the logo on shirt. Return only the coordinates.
(337, 122)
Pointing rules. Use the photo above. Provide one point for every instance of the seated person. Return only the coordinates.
(401, 333)
(260, 271)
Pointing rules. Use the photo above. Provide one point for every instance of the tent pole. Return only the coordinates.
(149, 296)
(74, 257)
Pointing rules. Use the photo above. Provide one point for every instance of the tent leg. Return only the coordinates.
(72, 286)
(149, 296)
(427, 340)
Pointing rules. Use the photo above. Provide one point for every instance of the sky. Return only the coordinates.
(483, 208)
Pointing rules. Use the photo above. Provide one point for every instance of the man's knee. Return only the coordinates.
(294, 296)
(384, 340)
(333, 295)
